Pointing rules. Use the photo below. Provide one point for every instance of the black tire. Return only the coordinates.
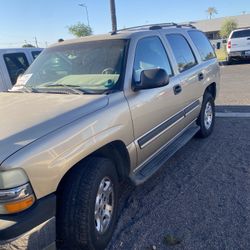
(205, 131)
(229, 60)
(76, 228)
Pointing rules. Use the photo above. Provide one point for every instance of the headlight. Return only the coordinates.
(16, 193)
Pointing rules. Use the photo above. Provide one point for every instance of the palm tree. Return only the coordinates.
(113, 15)
(211, 11)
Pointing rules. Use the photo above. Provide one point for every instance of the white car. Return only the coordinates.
(238, 45)
(13, 62)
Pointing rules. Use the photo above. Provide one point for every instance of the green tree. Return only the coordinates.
(227, 27)
(211, 11)
(28, 45)
(80, 29)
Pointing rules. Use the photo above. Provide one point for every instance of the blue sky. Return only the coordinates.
(47, 20)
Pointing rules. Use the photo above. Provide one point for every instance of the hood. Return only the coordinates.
(25, 117)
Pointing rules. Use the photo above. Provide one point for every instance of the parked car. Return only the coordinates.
(14, 62)
(96, 111)
(238, 46)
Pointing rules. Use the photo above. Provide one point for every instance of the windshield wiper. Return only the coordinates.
(22, 88)
(72, 88)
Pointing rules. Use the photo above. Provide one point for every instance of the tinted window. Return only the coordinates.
(35, 54)
(150, 54)
(16, 64)
(241, 33)
(203, 45)
(182, 51)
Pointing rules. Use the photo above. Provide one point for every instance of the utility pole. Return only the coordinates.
(86, 8)
(113, 16)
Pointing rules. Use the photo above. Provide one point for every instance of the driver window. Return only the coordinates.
(16, 64)
(150, 54)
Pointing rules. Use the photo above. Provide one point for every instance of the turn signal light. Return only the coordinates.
(18, 206)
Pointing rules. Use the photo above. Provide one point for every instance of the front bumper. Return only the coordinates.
(13, 226)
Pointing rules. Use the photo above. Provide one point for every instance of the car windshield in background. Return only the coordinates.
(89, 67)
(241, 33)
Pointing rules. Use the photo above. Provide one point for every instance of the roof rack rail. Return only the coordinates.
(187, 25)
(150, 26)
(155, 26)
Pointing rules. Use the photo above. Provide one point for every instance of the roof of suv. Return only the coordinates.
(125, 33)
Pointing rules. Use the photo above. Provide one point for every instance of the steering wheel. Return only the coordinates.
(108, 71)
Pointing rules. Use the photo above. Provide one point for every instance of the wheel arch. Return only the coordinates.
(116, 151)
(212, 89)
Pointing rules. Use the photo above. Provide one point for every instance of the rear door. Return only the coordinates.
(190, 72)
(240, 40)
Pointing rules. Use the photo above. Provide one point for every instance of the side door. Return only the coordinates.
(191, 74)
(156, 113)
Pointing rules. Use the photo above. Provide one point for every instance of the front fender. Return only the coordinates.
(48, 159)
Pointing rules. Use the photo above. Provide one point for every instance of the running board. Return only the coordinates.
(151, 167)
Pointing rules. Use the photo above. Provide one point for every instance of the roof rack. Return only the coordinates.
(187, 25)
(150, 26)
(157, 26)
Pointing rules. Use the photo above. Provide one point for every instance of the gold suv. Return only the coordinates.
(91, 112)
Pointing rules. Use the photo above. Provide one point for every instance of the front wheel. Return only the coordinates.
(207, 116)
(87, 206)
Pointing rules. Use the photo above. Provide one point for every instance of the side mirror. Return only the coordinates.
(152, 78)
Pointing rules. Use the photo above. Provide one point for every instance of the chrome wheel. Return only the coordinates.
(104, 205)
(208, 116)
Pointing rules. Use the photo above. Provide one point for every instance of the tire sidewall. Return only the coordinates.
(204, 132)
(101, 240)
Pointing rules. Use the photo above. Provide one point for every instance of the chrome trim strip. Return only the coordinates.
(162, 132)
(152, 134)
(192, 110)
(165, 145)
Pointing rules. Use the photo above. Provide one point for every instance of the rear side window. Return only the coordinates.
(202, 44)
(182, 52)
(150, 54)
(241, 33)
(16, 64)
(35, 54)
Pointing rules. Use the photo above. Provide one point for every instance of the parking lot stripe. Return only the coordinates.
(232, 114)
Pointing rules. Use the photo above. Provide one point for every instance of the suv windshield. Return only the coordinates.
(89, 67)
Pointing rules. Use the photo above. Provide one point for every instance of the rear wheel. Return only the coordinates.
(207, 116)
(87, 206)
(229, 60)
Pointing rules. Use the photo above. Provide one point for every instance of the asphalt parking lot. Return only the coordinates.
(235, 85)
(200, 199)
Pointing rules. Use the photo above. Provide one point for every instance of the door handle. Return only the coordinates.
(177, 89)
(200, 76)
